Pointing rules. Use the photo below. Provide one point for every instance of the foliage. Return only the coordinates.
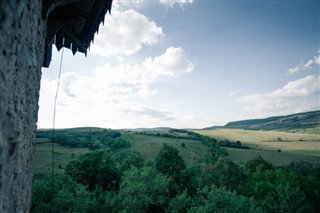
(68, 196)
(95, 168)
(126, 159)
(290, 200)
(180, 203)
(169, 162)
(258, 164)
(117, 179)
(224, 173)
(143, 190)
(95, 139)
(237, 144)
(215, 199)
(274, 189)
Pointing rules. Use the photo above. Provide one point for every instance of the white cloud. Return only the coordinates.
(125, 33)
(126, 4)
(148, 111)
(304, 66)
(113, 93)
(290, 98)
(233, 93)
(68, 80)
(171, 3)
(172, 62)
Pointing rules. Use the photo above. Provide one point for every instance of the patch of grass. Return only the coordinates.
(291, 142)
(314, 130)
(273, 156)
(63, 155)
(149, 147)
(293, 146)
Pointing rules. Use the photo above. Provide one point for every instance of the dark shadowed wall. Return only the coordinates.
(21, 56)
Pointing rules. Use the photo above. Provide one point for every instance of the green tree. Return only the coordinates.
(68, 196)
(143, 190)
(180, 203)
(41, 196)
(190, 180)
(224, 173)
(290, 200)
(276, 189)
(170, 162)
(126, 159)
(94, 168)
(103, 201)
(258, 163)
(220, 200)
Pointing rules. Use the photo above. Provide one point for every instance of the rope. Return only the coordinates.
(53, 134)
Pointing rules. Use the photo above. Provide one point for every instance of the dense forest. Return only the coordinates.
(113, 178)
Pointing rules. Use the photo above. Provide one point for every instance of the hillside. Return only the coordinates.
(100, 168)
(307, 122)
(71, 143)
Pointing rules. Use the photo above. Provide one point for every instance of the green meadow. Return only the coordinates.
(192, 151)
(279, 148)
(62, 156)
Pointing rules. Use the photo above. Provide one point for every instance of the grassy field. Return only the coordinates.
(277, 147)
(149, 146)
(308, 144)
(276, 158)
(63, 155)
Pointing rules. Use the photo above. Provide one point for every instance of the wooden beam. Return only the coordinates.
(75, 39)
(49, 6)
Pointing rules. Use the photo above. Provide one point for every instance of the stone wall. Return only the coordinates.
(21, 57)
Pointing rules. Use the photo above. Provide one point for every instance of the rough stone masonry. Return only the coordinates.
(22, 33)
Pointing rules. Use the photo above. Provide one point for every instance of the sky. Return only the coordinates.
(188, 64)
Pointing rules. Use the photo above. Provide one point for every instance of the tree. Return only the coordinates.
(215, 199)
(290, 200)
(126, 159)
(170, 162)
(180, 203)
(143, 190)
(68, 196)
(224, 173)
(276, 190)
(258, 163)
(94, 168)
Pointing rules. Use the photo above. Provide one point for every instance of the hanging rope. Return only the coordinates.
(53, 134)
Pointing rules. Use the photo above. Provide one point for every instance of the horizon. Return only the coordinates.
(168, 127)
(188, 64)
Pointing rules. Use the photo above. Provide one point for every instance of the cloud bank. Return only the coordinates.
(290, 98)
(116, 93)
(125, 33)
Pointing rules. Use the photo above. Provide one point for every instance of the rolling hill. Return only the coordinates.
(306, 122)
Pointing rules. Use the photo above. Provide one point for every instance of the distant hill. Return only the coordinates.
(149, 129)
(307, 122)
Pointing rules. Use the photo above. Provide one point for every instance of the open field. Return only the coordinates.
(276, 158)
(149, 147)
(63, 155)
(279, 148)
(307, 144)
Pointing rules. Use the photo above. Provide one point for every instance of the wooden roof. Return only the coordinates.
(72, 24)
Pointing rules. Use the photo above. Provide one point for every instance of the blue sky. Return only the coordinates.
(189, 64)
